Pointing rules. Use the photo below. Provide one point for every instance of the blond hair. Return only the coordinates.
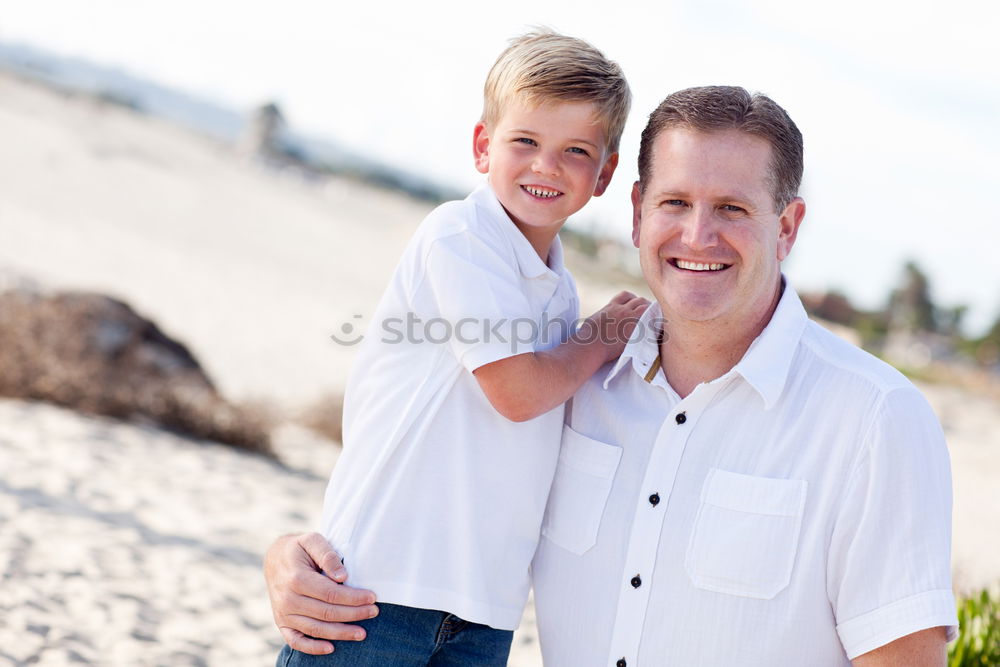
(543, 66)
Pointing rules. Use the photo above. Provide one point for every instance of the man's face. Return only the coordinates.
(710, 242)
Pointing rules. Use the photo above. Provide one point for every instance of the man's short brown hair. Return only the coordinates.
(543, 66)
(716, 108)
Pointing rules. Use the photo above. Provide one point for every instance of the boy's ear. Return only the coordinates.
(481, 148)
(607, 171)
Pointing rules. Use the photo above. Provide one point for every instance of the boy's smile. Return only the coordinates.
(544, 163)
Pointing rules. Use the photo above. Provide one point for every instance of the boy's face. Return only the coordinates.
(544, 162)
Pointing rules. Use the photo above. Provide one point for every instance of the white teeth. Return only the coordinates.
(697, 266)
(538, 192)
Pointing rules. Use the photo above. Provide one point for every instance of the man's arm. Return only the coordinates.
(308, 605)
(527, 385)
(927, 648)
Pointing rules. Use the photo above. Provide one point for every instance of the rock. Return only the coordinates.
(95, 354)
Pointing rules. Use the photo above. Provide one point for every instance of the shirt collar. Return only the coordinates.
(528, 261)
(643, 347)
(764, 366)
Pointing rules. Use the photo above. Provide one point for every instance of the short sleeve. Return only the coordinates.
(471, 297)
(889, 569)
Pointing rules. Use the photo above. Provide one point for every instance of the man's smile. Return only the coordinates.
(698, 266)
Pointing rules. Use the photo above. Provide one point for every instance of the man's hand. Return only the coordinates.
(308, 600)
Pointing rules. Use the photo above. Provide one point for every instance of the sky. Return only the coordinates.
(898, 102)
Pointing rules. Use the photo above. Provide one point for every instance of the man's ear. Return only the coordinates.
(788, 226)
(607, 171)
(481, 147)
(636, 212)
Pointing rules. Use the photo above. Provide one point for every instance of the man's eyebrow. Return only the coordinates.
(668, 194)
(734, 196)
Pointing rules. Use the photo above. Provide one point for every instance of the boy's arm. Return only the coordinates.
(527, 385)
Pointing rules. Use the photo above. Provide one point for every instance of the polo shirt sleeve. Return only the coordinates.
(889, 570)
(471, 296)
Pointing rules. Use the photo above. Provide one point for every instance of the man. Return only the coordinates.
(740, 487)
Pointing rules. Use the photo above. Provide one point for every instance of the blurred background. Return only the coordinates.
(194, 197)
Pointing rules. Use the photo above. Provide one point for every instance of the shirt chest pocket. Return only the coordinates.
(745, 534)
(580, 490)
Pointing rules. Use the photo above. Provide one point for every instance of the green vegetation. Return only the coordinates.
(978, 643)
(911, 316)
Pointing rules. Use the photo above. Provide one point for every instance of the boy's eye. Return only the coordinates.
(526, 140)
(578, 150)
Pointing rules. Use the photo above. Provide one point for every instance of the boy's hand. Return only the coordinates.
(527, 385)
(613, 324)
(309, 603)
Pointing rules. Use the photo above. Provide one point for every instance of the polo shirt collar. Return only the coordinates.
(764, 366)
(528, 261)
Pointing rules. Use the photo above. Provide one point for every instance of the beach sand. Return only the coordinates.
(124, 545)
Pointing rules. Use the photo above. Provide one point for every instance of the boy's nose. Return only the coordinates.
(545, 164)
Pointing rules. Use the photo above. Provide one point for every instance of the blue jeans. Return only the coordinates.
(404, 636)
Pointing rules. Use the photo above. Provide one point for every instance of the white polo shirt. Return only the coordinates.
(437, 500)
(795, 511)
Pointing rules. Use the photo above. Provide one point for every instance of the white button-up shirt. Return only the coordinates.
(795, 511)
(437, 500)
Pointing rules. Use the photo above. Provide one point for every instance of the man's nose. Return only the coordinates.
(700, 229)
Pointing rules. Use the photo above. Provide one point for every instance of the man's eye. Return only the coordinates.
(733, 208)
(673, 202)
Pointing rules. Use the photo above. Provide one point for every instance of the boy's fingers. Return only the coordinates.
(639, 303)
(623, 297)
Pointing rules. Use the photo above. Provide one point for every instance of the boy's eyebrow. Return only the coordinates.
(516, 130)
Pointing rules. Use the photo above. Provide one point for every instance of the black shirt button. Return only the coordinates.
(680, 418)
(621, 663)
(636, 581)
(654, 499)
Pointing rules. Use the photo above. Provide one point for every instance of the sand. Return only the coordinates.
(124, 545)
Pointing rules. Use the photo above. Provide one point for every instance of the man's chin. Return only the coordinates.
(693, 308)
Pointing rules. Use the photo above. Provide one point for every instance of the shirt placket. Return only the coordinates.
(647, 526)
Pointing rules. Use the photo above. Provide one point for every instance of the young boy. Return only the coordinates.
(453, 411)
